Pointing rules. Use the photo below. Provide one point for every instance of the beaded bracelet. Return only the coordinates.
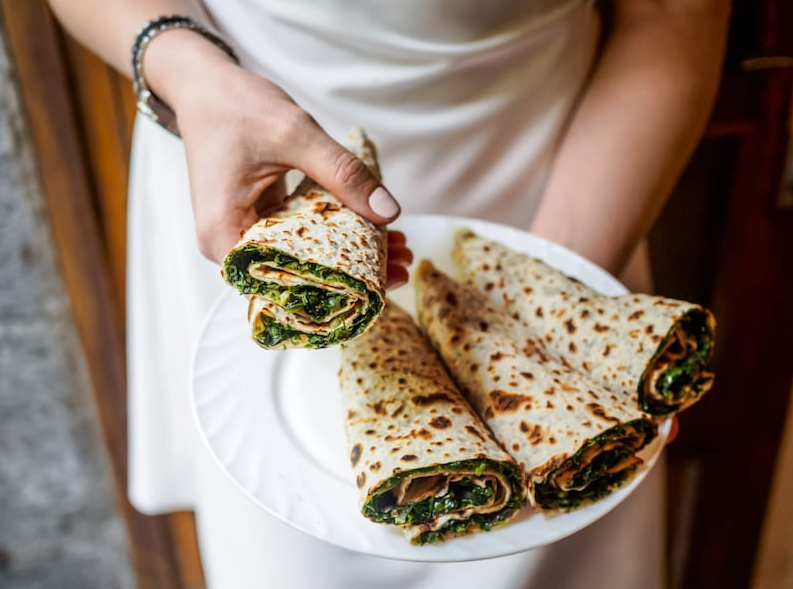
(149, 103)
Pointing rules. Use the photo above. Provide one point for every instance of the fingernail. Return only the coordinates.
(383, 204)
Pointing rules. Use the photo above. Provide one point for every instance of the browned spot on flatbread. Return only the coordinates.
(527, 290)
(396, 411)
(408, 457)
(379, 408)
(424, 400)
(441, 422)
(423, 433)
(534, 434)
(538, 312)
(474, 432)
(635, 315)
(584, 313)
(598, 411)
(569, 325)
(360, 480)
(527, 375)
(600, 328)
(495, 357)
(607, 350)
(572, 347)
(451, 299)
(355, 455)
(351, 413)
(375, 466)
(505, 402)
(325, 208)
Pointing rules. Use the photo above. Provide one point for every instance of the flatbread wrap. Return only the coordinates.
(422, 459)
(576, 440)
(314, 270)
(657, 348)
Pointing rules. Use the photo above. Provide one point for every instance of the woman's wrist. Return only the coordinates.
(178, 63)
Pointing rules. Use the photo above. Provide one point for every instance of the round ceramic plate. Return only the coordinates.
(274, 423)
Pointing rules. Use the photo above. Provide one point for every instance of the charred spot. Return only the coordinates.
(527, 375)
(396, 411)
(586, 365)
(489, 413)
(549, 391)
(552, 440)
(408, 457)
(359, 380)
(301, 231)
(656, 339)
(570, 326)
(516, 446)
(524, 427)
(584, 313)
(355, 455)
(549, 405)
(586, 423)
(572, 347)
(635, 315)
(534, 434)
(379, 408)
(539, 312)
(489, 286)
(598, 411)
(505, 402)
(441, 422)
(474, 432)
(569, 407)
(360, 480)
(370, 432)
(527, 290)
(600, 328)
(351, 413)
(649, 329)
(424, 400)
(424, 433)
(375, 466)
(607, 350)
(451, 298)
(593, 394)
(483, 325)
(474, 367)
(496, 356)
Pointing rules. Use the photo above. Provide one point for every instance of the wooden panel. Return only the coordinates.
(82, 259)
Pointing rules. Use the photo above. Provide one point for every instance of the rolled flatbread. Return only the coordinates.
(422, 459)
(314, 270)
(657, 348)
(576, 440)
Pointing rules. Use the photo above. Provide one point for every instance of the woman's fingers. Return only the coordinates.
(399, 258)
(673, 431)
(343, 174)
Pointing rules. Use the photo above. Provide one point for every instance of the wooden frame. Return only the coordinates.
(79, 115)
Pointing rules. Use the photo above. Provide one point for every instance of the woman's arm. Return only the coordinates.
(241, 132)
(636, 125)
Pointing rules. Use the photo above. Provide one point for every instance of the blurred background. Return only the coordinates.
(725, 240)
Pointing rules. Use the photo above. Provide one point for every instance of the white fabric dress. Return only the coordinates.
(466, 100)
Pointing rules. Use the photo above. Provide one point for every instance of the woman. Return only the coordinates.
(528, 113)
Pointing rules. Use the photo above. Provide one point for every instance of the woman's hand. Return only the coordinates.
(242, 133)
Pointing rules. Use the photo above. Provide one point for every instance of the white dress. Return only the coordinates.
(466, 100)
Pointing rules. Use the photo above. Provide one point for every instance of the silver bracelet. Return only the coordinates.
(149, 103)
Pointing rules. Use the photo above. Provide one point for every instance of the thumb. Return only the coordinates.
(349, 179)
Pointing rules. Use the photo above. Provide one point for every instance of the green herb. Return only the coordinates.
(682, 375)
(316, 302)
(592, 481)
(381, 505)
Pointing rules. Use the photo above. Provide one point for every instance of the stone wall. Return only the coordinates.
(58, 525)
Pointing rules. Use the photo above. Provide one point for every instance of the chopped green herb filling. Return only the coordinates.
(593, 481)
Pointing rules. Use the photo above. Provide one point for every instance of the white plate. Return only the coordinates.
(273, 421)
